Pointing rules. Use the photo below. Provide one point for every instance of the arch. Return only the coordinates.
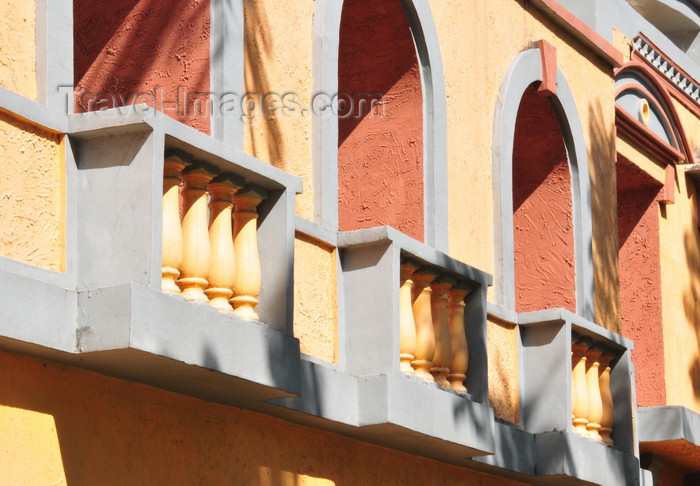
(525, 70)
(326, 27)
(636, 77)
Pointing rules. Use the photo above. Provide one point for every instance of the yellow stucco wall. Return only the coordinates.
(475, 60)
(278, 47)
(315, 298)
(31, 194)
(503, 369)
(18, 47)
(95, 430)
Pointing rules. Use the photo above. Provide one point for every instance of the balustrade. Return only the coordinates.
(592, 405)
(433, 342)
(210, 252)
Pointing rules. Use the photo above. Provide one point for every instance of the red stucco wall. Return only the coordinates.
(640, 279)
(542, 210)
(380, 158)
(124, 47)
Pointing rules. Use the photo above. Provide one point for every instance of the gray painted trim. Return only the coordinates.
(422, 251)
(434, 123)
(668, 423)
(115, 121)
(54, 52)
(326, 27)
(316, 231)
(35, 113)
(227, 67)
(525, 70)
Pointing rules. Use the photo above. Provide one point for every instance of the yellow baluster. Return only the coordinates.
(248, 281)
(195, 266)
(579, 408)
(595, 403)
(407, 326)
(441, 328)
(458, 339)
(608, 417)
(422, 314)
(223, 264)
(175, 161)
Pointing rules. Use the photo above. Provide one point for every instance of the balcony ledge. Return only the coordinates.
(132, 332)
(393, 410)
(671, 431)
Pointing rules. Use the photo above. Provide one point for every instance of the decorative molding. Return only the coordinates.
(670, 70)
(548, 55)
(645, 138)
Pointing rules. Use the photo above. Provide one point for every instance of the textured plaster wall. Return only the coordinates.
(503, 370)
(278, 51)
(380, 156)
(542, 211)
(479, 40)
(18, 47)
(110, 432)
(157, 48)
(640, 279)
(315, 298)
(31, 195)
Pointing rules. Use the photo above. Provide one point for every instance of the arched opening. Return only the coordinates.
(543, 229)
(380, 120)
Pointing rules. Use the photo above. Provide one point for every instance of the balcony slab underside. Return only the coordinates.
(136, 333)
(671, 431)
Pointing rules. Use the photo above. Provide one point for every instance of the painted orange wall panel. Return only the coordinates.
(18, 47)
(380, 156)
(31, 195)
(278, 50)
(503, 370)
(154, 47)
(543, 231)
(640, 279)
(315, 298)
(112, 433)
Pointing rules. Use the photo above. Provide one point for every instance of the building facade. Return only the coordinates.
(359, 242)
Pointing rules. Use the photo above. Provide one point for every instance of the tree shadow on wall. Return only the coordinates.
(127, 49)
(691, 297)
(259, 120)
(603, 178)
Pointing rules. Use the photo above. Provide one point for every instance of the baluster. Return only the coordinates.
(458, 339)
(196, 256)
(248, 281)
(441, 328)
(223, 265)
(175, 161)
(595, 404)
(407, 326)
(608, 417)
(579, 402)
(422, 313)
